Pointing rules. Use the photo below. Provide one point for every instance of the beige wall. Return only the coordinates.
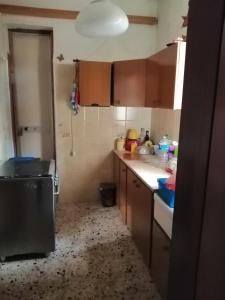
(138, 7)
(170, 14)
(81, 174)
(93, 162)
(94, 131)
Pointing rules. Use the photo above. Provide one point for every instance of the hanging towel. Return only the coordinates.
(75, 95)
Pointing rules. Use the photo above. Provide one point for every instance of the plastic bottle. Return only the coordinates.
(164, 148)
(176, 149)
(147, 138)
(142, 135)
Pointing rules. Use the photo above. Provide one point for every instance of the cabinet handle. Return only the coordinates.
(134, 181)
(138, 186)
(94, 104)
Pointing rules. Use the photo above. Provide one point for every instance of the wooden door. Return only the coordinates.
(95, 83)
(31, 92)
(116, 175)
(129, 83)
(211, 271)
(197, 268)
(123, 191)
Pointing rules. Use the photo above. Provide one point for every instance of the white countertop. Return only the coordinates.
(147, 167)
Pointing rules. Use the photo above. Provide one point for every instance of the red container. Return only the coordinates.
(129, 142)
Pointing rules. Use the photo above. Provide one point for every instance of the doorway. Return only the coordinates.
(31, 86)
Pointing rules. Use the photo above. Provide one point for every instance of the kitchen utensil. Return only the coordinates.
(143, 150)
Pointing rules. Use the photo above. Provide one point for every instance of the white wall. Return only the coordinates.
(170, 12)
(6, 145)
(138, 42)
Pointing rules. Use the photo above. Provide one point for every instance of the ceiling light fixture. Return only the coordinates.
(101, 18)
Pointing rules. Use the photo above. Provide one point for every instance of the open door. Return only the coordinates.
(197, 264)
(31, 89)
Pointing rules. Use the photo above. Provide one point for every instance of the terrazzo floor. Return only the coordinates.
(95, 259)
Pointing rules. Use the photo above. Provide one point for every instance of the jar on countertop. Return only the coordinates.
(120, 144)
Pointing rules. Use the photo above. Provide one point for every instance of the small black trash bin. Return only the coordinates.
(108, 193)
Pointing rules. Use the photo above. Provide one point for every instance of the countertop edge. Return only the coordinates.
(119, 155)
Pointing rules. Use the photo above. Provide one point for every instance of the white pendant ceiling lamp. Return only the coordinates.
(101, 18)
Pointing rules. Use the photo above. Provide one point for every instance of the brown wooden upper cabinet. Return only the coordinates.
(164, 77)
(95, 83)
(129, 83)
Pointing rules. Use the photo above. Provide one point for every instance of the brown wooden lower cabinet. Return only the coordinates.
(116, 175)
(160, 259)
(140, 214)
(123, 191)
(136, 206)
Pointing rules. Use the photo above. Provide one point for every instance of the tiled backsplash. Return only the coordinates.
(91, 134)
(165, 121)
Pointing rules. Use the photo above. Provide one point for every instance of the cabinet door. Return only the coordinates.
(167, 76)
(129, 83)
(152, 82)
(131, 189)
(140, 214)
(116, 175)
(95, 83)
(160, 259)
(143, 215)
(123, 191)
(164, 78)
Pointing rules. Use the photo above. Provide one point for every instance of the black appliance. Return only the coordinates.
(27, 207)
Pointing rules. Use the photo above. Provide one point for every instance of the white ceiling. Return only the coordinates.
(138, 7)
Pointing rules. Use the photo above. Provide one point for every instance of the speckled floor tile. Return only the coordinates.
(95, 259)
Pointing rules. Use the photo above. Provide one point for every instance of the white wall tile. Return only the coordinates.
(165, 121)
(119, 128)
(133, 113)
(119, 113)
(92, 114)
(106, 114)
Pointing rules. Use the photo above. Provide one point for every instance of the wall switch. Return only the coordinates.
(72, 153)
(66, 134)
